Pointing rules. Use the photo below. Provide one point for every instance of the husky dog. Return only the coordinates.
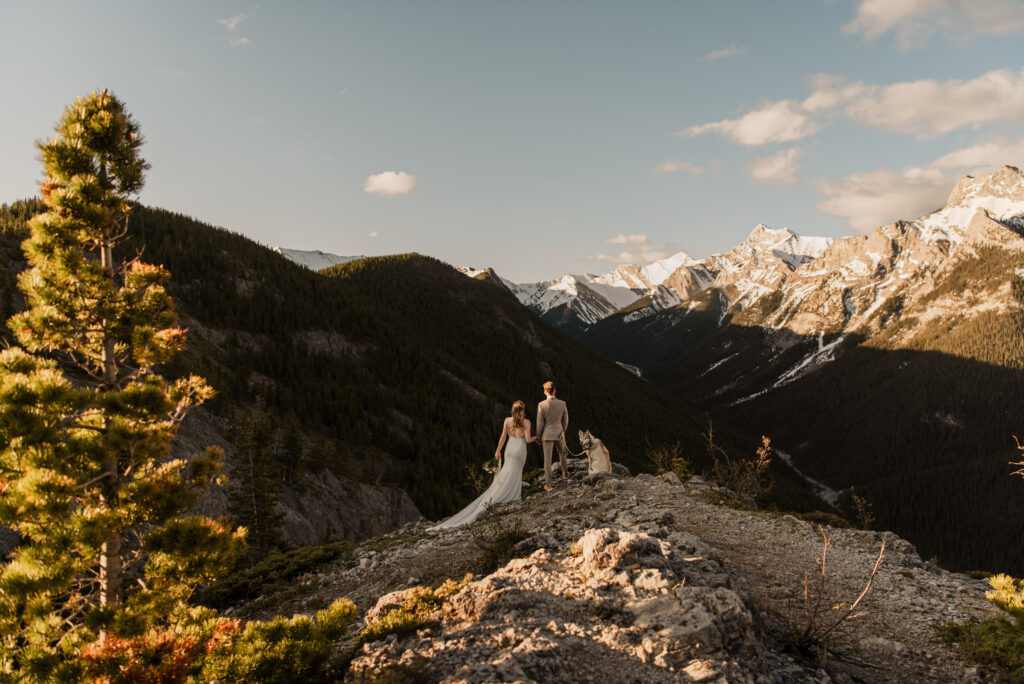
(599, 459)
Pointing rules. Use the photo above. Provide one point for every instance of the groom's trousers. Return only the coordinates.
(548, 445)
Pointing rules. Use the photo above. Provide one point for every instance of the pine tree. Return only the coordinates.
(252, 500)
(86, 422)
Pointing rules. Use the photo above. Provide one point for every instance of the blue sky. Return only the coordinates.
(535, 137)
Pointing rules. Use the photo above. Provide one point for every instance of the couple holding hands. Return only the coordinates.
(552, 422)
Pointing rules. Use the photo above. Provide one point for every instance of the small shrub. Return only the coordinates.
(978, 574)
(714, 497)
(995, 642)
(1020, 447)
(400, 673)
(419, 610)
(821, 611)
(478, 478)
(862, 512)
(497, 542)
(606, 610)
(203, 647)
(823, 518)
(668, 458)
(274, 573)
(748, 477)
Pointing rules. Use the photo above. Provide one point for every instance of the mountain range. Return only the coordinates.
(383, 382)
(892, 363)
(750, 269)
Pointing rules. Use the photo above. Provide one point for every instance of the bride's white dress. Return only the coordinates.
(508, 486)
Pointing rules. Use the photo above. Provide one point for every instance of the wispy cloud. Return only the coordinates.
(868, 200)
(731, 51)
(675, 165)
(871, 199)
(782, 168)
(343, 91)
(373, 234)
(925, 108)
(231, 23)
(240, 42)
(390, 183)
(913, 22)
(928, 108)
(773, 122)
(623, 239)
(637, 250)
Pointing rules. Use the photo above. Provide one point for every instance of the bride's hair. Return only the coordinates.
(518, 411)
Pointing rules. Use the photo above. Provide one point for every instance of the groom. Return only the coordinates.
(552, 422)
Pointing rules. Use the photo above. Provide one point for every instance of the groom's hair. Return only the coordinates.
(549, 387)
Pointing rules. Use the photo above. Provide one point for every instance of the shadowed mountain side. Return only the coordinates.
(393, 371)
(652, 342)
(925, 436)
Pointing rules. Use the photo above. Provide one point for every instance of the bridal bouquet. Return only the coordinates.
(491, 465)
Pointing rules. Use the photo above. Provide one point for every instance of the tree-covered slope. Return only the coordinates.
(394, 370)
(919, 417)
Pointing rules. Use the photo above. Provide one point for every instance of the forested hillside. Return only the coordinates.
(919, 418)
(395, 370)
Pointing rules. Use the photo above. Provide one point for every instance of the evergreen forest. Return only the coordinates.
(396, 370)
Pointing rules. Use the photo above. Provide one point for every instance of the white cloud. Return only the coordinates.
(925, 108)
(638, 250)
(637, 256)
(831, 91)
(373, 234)
(783, 121)
(780, 169)
(912, 22)
(390, 183)
(240, 42)
(928, 108)
(868, 200)
(983, 157)
(623, 239)
(731, 51)
(676, 165)
(232, 22)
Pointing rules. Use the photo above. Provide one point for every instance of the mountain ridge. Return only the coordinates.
(891, 363)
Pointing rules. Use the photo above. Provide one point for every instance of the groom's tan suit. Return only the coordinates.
(552, 422)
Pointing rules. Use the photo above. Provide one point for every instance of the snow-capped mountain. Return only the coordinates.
(907, 284)
(314, 260)
(858, 283)
(755, 266)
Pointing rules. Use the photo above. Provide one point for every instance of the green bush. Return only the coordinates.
(823, 518)
(497, 542)
(283, 650)
(419, 609)
(201, 647)
(272, 574)
(999, 641)
(668, 458)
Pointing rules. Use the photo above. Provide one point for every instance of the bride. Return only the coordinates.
(508, 485)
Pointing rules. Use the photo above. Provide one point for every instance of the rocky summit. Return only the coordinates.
(647, 579)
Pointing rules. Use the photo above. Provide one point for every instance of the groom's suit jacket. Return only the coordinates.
(552, 420)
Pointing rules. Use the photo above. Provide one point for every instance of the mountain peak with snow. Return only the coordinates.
(1007, 183)
(314, 260)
